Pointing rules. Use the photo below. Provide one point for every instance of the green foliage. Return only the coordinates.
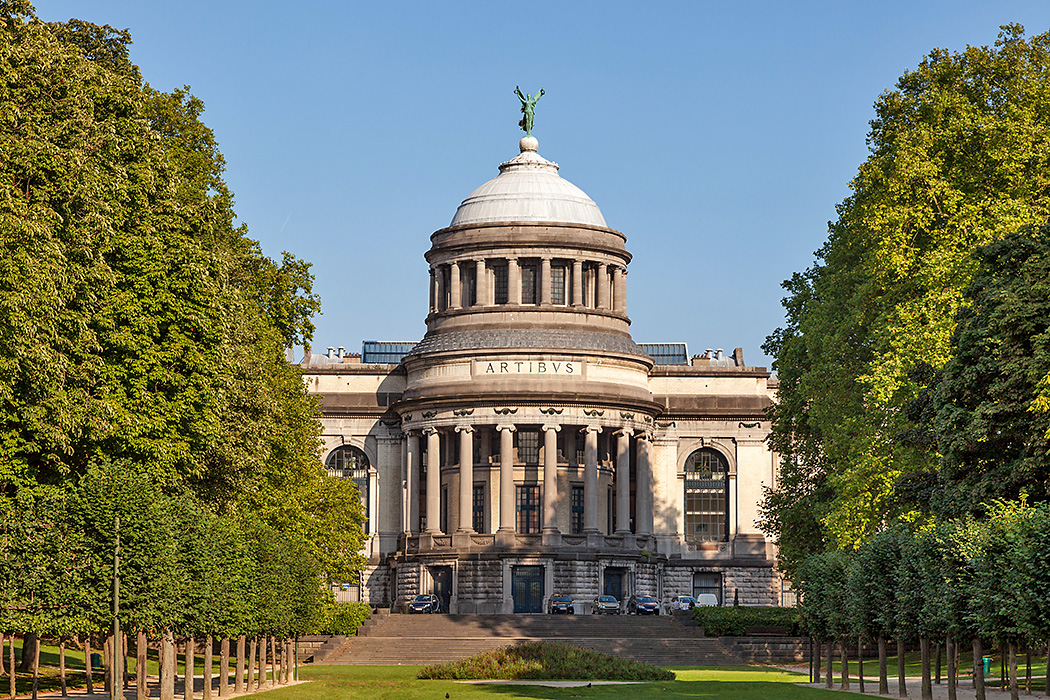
(734, 621)
(345, 618)
(142, 373)
(546, 660)
(823, 595)
(959, 156)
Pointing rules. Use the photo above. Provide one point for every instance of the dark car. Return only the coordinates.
(561, 604)
(605, 604)
(643, 605)
(424, 603)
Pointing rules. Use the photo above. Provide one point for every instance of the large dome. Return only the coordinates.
(528, 188)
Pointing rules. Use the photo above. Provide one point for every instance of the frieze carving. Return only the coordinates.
(407, 418)
(429, 414)
(552, 411)
(593, 413)
(648, 419)
(463, 412)
(665, 424)
(756, 424)
(626, 416)
(390, 423)
(505, 411)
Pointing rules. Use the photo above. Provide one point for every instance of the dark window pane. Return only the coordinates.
(706, 497)
(499, 274)
(528, 508)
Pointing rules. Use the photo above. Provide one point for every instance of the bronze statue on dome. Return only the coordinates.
(528, 108)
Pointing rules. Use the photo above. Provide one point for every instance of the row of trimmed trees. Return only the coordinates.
(143, 377)
(966, 582)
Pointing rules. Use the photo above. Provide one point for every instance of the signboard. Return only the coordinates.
(495, 368)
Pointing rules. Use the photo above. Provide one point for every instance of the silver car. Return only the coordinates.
(605, 605)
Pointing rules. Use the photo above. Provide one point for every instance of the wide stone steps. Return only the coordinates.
(428, 639)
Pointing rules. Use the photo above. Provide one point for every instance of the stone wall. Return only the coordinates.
(480, 586)
(755, 585)
(375, 589)
(770, 650)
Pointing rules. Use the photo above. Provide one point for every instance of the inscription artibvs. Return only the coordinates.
(551, 368)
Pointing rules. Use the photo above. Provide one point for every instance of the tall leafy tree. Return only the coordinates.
(959, 156)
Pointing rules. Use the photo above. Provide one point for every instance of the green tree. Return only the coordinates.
(959, 156)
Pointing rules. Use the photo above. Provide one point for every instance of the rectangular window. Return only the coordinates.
(529, 446)
(581, 446)
(709, 583)
(444, 509)
(558, 285)
(529, 283)
(470, 288)
(576, 510)
(706, 498)
(479, 508)
(528, 507)
(610, 511)
(499, 280)
(446, 286)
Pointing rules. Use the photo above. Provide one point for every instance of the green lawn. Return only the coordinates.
(400, 683)
(913, 666)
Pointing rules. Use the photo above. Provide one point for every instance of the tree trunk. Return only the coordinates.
(978, 669)
(927, 686)
(87, 665)
(860, 664)
(287, 661)
(36, 668)
(107, 665)
(3, 657)
(937, 678)
(262, 663)
(61, 664)
(252, 685)
(126, 665)
(14, 672)
(884, 684)
(189, 658)
(141, 647)
(295, 656)
(29, 641)
(1027, 669)
(1046, 681)
(1012, 646)
(273, 661)
(828, 679)
(224, 667)
(208, 650)
(952, 652)
(844, 663)
(816, 659)
(902, 682)
(239, 677)
(167, 667)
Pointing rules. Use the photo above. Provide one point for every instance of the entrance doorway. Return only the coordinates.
(613, 583)
(527, 589)
(442, 576)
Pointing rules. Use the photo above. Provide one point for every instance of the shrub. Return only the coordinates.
(731, 622)
(546, 661)
(345, 618)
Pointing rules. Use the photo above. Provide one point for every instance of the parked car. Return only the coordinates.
(683, 602)
(560, 604)
(707, 600)
(605, 605)
(643, 605)
(424, 603)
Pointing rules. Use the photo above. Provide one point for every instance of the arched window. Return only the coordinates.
(349, 462)
(706, 497)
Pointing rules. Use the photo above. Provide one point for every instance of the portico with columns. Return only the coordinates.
(529, 445)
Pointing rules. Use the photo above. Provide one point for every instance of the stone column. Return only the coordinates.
(439, 274)
(643, 517)
(513, 281)
(577, 283)
(545, 281)
(412, 488)
(506, 478)
(433, 481)
(590, 480)
(602, 278)
(456, 293)
(620, 290)
(481, 283)
(623, 481)
(466, 478)
(550, 478)
(433, 291)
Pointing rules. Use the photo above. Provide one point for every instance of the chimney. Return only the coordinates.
(718, 354)
(341, 351)
(331, 352)
(352, 358)
(738, 356)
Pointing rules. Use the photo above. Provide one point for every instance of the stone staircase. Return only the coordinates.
(428, 639)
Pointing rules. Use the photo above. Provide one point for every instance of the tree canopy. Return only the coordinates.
(142, 367)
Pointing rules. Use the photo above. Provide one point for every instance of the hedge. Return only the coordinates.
(732, 621)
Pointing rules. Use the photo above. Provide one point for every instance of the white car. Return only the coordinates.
(707, 600)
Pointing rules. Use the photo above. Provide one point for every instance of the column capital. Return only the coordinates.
(550, 426)
(464, 428)
(620, 432)
(429, 431)
(506, 426)
(591, 429)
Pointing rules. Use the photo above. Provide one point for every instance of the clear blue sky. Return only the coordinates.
(718, 136)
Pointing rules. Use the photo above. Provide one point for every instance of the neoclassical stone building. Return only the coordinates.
(527, 446)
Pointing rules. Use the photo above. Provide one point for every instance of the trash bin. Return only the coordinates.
(987, 665)
(96, 661)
